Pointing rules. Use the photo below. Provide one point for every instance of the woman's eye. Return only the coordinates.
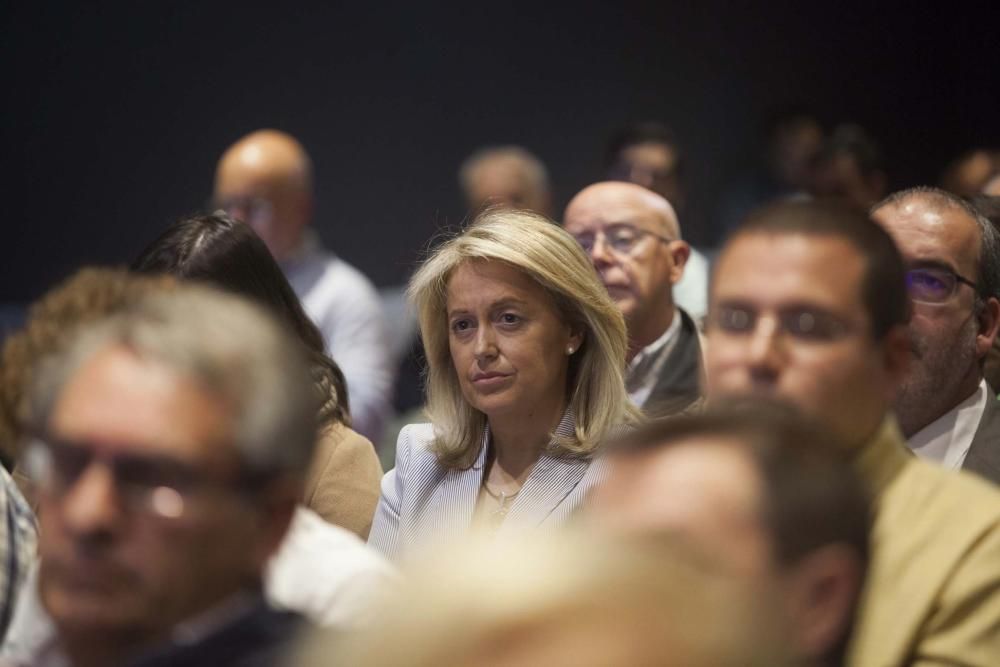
(458, 326)
(509, 318)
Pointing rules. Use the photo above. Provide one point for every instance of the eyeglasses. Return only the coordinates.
(152, 485)
(806, 324)
(621, 238)
(934, 285)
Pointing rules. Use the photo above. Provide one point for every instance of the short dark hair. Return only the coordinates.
(646, 132)
(988, 270)
(227, 253)
(813, 497)
(883, 286)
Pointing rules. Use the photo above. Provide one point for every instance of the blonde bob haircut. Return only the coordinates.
(552, 258)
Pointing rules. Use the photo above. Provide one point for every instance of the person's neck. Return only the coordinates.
(913, 419)
(519, 440)
(643, 334)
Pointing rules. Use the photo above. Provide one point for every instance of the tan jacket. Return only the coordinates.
(343, 481)
(933, 590)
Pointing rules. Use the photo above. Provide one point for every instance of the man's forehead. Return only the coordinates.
(782, 266)
(611, 203)
(925, 226)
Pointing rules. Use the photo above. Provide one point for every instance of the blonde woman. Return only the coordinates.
(525, 354)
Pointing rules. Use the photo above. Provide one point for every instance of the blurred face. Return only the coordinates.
(140, 524)
(273, 203)
(787, 319)
(714, 505)
(630, 245)
(509, 345)
(503, 182)
(946, 337)
(652, 165)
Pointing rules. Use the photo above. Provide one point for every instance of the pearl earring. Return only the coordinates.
(570, 350)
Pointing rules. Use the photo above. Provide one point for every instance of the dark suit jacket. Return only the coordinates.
(984, 452)
(259, 637)
(680, 381)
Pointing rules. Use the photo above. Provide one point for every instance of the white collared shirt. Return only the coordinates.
(947, 439)
(644, 369)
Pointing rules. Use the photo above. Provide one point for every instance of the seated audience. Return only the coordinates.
(809, 305)
(767, 495)
(649, 155)
(946, 409)
(343, 480)
(525, 353)
(567, 600)
(506, 177)
(265, 180)
(169, 446)
(633, 239)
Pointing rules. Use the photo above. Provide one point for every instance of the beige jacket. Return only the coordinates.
(933, 590)
(343, 481)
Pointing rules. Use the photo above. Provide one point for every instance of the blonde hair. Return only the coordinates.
(553, 259)
(571, 599)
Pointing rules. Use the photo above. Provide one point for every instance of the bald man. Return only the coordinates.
(265, 179)
(634, 240)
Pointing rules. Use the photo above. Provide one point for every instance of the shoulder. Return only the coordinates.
(414, 445)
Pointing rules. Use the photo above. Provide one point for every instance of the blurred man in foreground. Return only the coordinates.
(764, 493)
(265, 180)
(946, 409)
(169, 446)
(809, 305)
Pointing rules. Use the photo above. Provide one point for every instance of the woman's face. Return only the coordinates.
(508, 343)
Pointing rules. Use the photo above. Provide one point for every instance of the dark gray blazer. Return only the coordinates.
(425, 503)
(680, 381)
(984, 452)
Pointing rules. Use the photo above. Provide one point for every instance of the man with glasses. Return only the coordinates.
(633, 238)
(808, 304)
(169, 445)
(265, 180)
(946, 409)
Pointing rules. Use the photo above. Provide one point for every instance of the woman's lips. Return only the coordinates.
(490, 380)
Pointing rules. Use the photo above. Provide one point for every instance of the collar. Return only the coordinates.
(883, 457)
(947, 439)
(646, 354)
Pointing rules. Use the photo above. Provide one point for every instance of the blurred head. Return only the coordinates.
(170, 445)
(992, 187)
(851, 167)
(764, 493)
(265, 180)
(647, 154)
(513, 318)
(952, 256)
(808, 304)
(794, 141)
(968, 174)
(89, 295)
(505, 176)
(226, 253)
(564, 600)
(633, 239)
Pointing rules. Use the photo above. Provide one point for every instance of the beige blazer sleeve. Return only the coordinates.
(343, 482)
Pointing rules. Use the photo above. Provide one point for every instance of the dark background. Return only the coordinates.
(116, 115)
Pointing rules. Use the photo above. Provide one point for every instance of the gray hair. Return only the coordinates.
(228, 345)
(988, 280)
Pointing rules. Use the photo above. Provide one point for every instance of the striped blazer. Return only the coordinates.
(424, 503)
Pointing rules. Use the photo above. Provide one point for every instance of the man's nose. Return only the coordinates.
(600, 252)
(92, 506)
(766, 352)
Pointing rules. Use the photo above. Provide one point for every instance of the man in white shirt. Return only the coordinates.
(633, 239)
(265, 179)
(947, 411)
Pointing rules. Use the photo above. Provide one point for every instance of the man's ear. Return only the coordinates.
(989, 324)
(680, 251)
(821, 593)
